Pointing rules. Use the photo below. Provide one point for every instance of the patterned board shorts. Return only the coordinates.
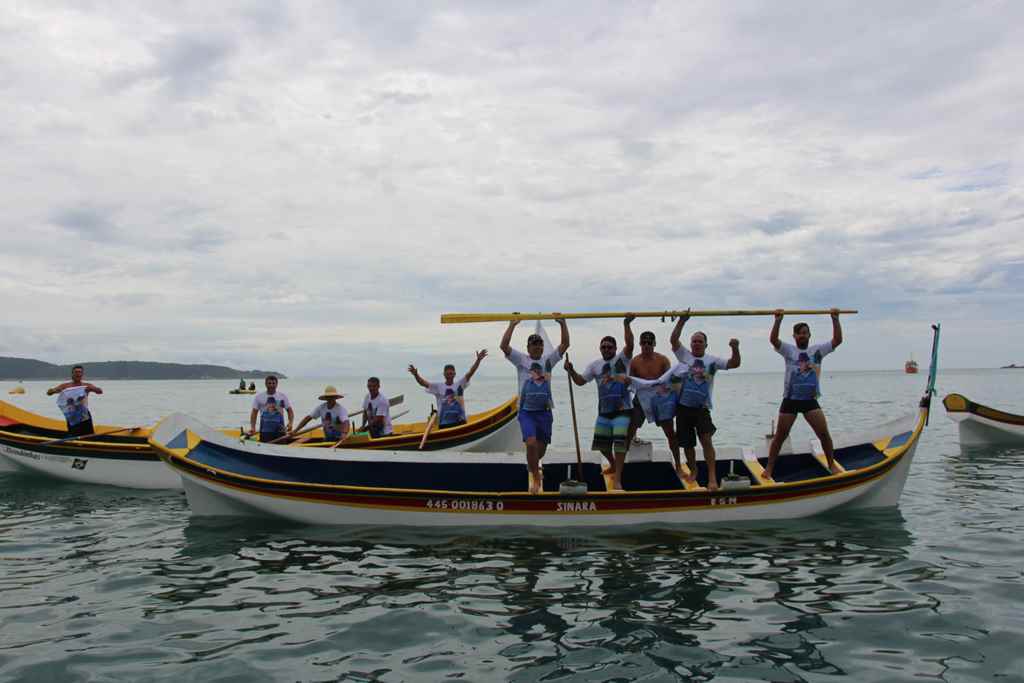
(610, 433)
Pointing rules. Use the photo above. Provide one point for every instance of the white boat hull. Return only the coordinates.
(83, 469)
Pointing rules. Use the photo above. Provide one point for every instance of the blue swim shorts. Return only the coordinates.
(536, 423)
(610, 433)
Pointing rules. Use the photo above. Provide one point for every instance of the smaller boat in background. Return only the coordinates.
(910, 367)
(241, 391)
(17, 390)
(983, 426)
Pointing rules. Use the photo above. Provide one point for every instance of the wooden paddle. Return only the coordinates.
(83, 437)
(292, 436)
(450, 318)
(393, 401)
(426, 432)
(575, 486)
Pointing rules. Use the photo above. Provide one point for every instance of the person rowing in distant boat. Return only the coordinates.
(802, 386)
(656, 403)
(332, 415)
(614, 403)
(376, 410)
(697, 369)
(73, 402)
(271, 406)
(241, 384)
(535, 400)
(252, 386)
(450, 394)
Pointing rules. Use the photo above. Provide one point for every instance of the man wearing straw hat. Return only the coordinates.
(801, 390)
(332, 415)
(614, 407)
(535, 401)
(451, 404)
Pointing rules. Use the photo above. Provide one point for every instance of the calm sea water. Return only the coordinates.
(101, 584)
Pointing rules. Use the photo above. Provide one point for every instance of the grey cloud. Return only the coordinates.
(187, 64)
(91, 223)
(206, 239)
(780, 222)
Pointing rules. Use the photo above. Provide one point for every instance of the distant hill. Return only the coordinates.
(27, 368)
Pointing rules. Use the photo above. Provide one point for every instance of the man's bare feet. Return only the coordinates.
(608, 470)
(617, 485)
(712, 485)
(685, 474)
(535, 483)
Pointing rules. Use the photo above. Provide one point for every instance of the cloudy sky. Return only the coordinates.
(308, 186)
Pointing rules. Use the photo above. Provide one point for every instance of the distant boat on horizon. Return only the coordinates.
(910, 367)
(1012, 366)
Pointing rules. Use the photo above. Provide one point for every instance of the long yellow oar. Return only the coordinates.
(83, 437)
(451, 318)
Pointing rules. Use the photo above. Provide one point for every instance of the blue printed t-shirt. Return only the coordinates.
(698, 377)
(534, 379)
(451, 405)
(74, 403)
(803, 370)
(612, 391)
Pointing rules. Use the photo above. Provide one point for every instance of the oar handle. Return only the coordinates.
(426, 431)
(454, 318)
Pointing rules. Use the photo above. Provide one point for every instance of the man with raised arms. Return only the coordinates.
(74, 402)
(802, 386)
(535, 401)
(697, 368)
(376, 410)
(656, 403)
(332, 415)
(614, 407)
(451, 403)
(271, 406)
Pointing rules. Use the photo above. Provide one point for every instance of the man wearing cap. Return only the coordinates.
(451, 404)
(74, 402)
(271, 406)
(376, 410)
(657, 403)
(332, 415)
(801, 390)
(535, 401)
(697, 369)
(614, 407)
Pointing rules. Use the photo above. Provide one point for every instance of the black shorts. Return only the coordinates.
(636, 417)
(267, 437)
(690, 422)
(449, 425)
(791, 406)
(81, 429)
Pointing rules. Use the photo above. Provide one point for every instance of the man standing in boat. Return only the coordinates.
(451, 403)
(271, 406)
(614, 407)
(802, 386)
(74, 402)
(656, 403)
(376, 410)
(332, 415)
(697, 369)
(535, 401)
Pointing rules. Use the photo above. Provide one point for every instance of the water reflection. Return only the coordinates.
(750, 600)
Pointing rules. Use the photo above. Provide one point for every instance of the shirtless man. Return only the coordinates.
(653, 404)
(74, 402)
(801, 392)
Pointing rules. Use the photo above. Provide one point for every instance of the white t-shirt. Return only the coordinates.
(439, 390)
(336, 416)
(525, 365)
(613, 396)
(803, 369)
(698, 377)
(375, 407)
(74, 403)
(259, 401)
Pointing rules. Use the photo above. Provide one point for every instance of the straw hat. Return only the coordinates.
(330, 392)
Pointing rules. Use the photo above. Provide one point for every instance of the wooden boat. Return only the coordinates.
(40, 445)
(224, 477)
(241, 391)
(17, 390)
(980, 425)
(125, 458)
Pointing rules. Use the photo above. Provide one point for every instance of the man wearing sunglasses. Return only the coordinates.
(614, 404)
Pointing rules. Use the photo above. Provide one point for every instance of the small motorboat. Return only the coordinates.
(980, 425)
